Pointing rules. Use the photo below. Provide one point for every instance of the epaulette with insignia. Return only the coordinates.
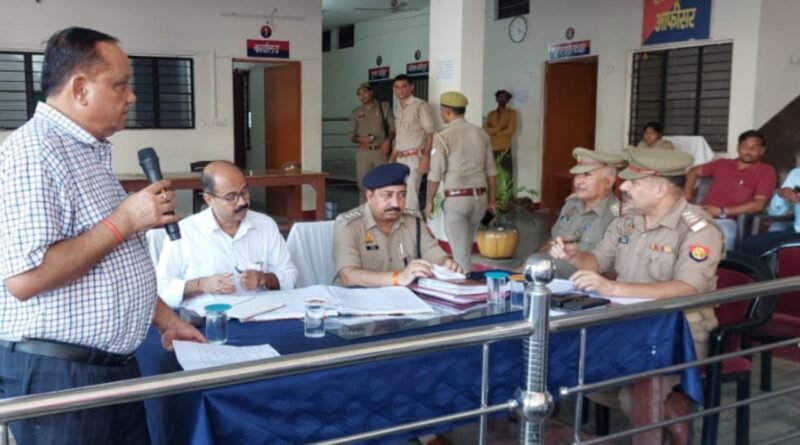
(614, 208)
(412, 212)
(696, 222)
(350, 216)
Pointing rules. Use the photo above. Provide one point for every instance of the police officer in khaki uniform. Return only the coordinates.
(367, 130)
(587, 212)
(664, 247)
(381, 243)
(462, 161)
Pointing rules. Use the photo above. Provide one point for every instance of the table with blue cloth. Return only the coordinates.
(337, 402)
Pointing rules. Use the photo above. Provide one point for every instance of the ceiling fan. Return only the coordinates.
(394, 6)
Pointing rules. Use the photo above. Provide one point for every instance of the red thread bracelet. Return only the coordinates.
(113, 230)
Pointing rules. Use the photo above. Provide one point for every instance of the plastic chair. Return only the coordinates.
(784, 258)
(737, 321)
(310, 245)
(197, 194)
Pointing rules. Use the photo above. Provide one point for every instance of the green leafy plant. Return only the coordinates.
(509, 197)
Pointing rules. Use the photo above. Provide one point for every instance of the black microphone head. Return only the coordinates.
(147, 154)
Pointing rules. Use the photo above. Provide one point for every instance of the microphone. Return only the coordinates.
(148, 159)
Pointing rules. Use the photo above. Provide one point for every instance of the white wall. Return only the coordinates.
(614, 28)
(778, 68)
(189, 28)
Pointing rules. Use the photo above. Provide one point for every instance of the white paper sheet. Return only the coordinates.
(391, 300)
(443, 273)
(192, 355)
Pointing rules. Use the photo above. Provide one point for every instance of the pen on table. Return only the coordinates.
(236, 268)
(403, 253)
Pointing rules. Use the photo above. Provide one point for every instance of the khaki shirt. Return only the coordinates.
(685, 245)
(585, 226)
(358, 242)
(661, 143)
(494, 125)
(461, 156)
(412, 121)
(365, 121)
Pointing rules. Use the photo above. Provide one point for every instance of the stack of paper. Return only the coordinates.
(193, 355)
(456, 287)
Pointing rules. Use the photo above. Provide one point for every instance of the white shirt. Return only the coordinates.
(205, 249)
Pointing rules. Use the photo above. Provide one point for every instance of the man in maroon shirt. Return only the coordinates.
(742, 185)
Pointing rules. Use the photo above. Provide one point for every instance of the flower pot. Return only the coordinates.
(498, 241)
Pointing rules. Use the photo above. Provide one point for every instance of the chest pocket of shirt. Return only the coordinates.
(373, 257)
(661, 266)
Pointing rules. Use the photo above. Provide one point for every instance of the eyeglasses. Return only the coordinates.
(233, 197)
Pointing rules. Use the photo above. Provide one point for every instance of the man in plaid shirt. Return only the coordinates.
(79, 290)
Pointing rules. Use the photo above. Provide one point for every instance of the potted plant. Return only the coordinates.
(499, 239)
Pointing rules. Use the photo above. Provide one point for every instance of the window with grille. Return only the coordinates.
(164, 89)
(512, 8)
(687, 90)
(20, 87)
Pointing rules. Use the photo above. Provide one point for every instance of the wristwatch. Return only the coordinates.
(722, 213)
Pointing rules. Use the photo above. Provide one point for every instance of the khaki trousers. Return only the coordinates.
(366, 160)
(462, 216)
(413, 182)
(701, 322)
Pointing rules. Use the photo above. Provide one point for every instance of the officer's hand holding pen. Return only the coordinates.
(415, 269)
(562, 249)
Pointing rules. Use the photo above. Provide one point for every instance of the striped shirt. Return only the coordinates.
(56, 183)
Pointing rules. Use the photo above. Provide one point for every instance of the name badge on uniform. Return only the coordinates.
(370, 241)
(373, 247)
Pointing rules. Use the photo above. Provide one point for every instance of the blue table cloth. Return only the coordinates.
(337, 402)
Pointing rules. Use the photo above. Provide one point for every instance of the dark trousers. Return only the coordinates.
(507, 160)
(23, 374)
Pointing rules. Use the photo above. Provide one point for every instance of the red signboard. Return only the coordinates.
(417, 68)
(276, 49)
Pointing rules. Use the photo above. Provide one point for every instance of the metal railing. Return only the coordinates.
(532, 403)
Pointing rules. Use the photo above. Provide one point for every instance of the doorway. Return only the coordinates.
(268, 127)
(570, 100)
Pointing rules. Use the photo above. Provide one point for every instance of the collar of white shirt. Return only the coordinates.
(208, 224)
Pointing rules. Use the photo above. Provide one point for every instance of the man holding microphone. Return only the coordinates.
(79, 288)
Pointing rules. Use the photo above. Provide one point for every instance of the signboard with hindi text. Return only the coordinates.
(378, 73)
(667, 21)
(417, 68)
(275, 49)
(570, 49)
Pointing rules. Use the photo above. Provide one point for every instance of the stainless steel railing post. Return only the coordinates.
(5, 438)
(534, 403)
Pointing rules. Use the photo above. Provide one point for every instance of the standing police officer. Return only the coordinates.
(462, 160)
(372, 128)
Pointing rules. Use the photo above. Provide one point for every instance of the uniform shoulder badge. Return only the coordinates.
(695, 221)
(412, 212)
(614, 208)
(698, 252)
(350, 216)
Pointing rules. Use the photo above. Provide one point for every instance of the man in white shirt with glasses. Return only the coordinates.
(226, 248)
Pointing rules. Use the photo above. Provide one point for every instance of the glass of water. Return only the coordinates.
(516, 284)
(217, 323)
(496, 287)
(315, 318)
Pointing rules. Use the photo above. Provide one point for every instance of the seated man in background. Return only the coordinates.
(224, 244)
(785, 201)
(381, 243)
(588, 211)
(740, 186)
(652, 137)
(663, 248)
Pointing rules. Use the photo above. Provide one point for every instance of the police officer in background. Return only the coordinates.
(587, 212)
(461, 159)
(663, 248)
(382, 243)
(372, 128)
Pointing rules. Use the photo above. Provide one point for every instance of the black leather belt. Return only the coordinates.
(66, 351)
